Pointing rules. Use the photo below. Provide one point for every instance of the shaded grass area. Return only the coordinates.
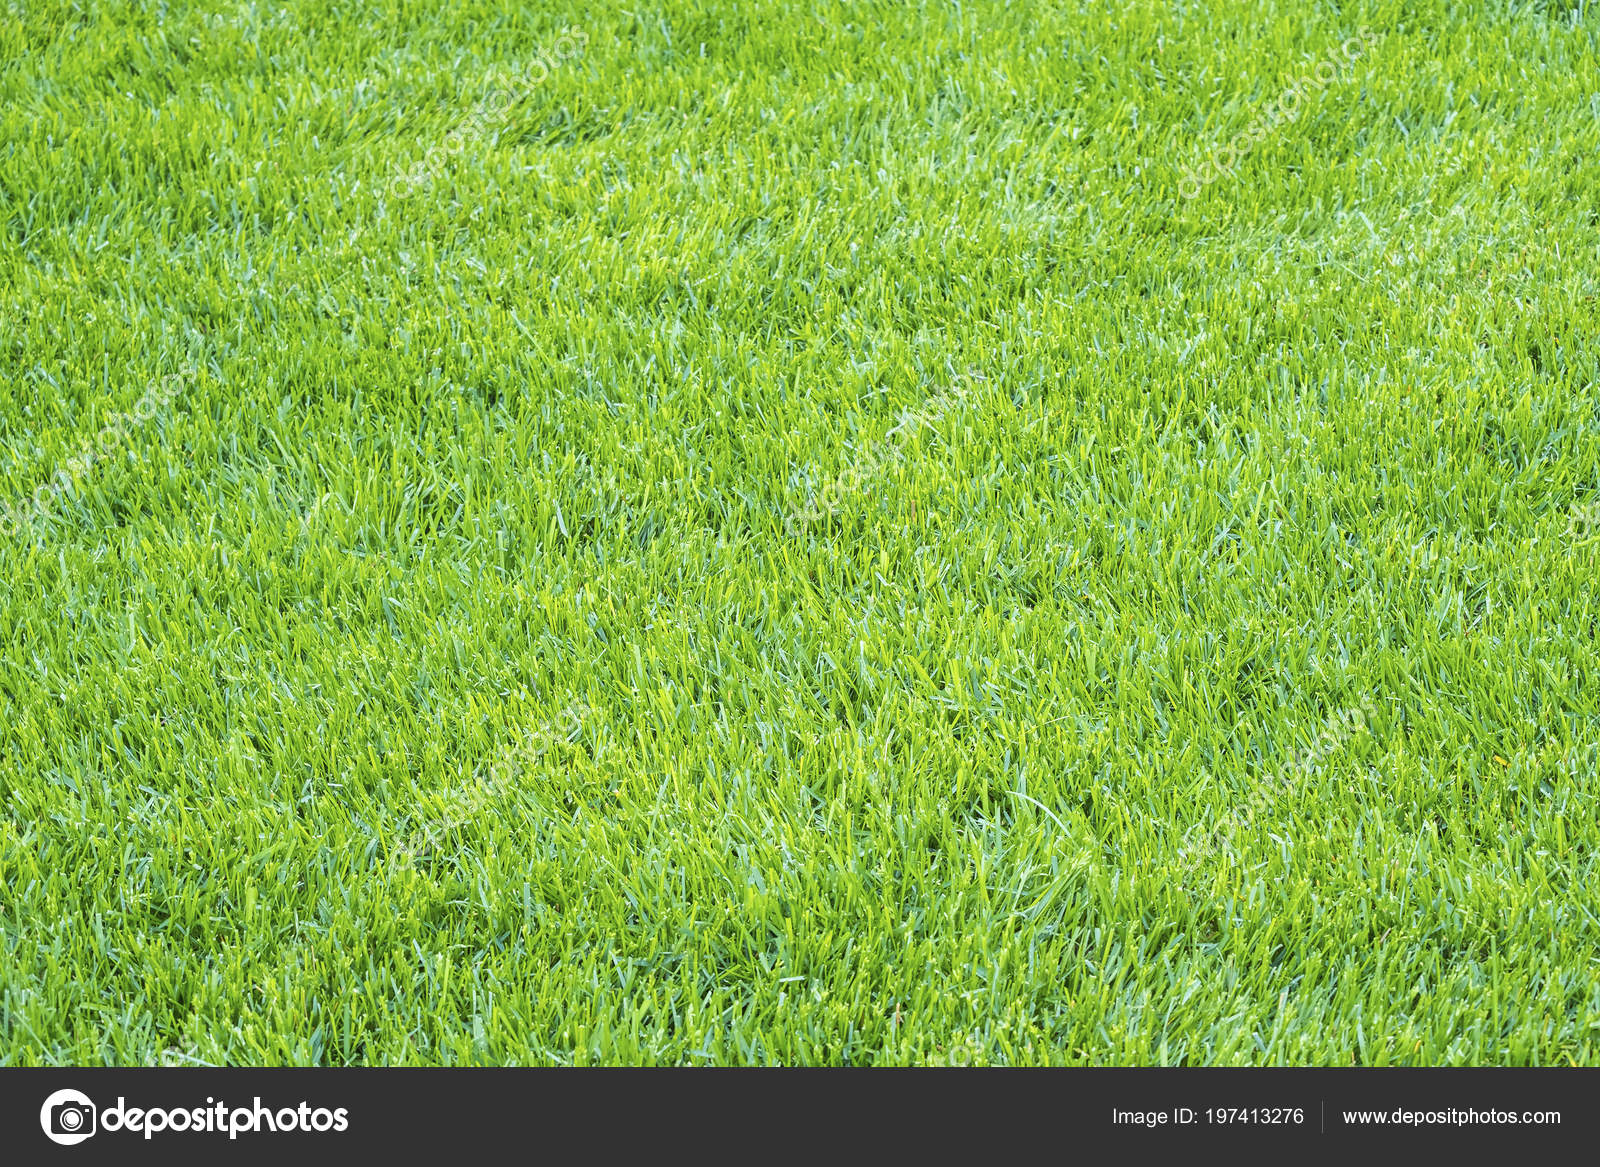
(524, 467)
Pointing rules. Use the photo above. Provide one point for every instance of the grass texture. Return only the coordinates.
(792, 532)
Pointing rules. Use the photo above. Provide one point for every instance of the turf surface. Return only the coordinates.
(725, 533)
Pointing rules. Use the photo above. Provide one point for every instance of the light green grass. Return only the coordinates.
(474, 664)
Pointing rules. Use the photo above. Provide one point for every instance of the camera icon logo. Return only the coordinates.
(68, 1117)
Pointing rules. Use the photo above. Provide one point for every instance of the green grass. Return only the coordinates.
(796, 543)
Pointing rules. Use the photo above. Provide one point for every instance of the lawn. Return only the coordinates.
(817, 532)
